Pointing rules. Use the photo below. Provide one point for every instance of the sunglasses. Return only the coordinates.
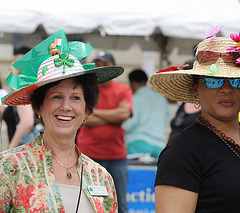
(210, 57)
(214, 83)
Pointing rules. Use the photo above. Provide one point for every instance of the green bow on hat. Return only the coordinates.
(28, 64)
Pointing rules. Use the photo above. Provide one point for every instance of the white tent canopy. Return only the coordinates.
(172, 18)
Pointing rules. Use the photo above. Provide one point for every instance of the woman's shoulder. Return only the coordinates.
(13, 152)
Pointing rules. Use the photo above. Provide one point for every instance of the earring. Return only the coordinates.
(39, 116)
(84, 121)
(197, 104)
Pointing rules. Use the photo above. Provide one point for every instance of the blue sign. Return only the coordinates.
(141, 191)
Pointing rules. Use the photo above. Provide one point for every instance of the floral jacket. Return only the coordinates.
(27, 182)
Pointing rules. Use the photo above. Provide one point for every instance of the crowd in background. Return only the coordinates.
(146, 130)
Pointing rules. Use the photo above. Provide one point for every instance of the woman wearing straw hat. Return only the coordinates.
(199, 170)
(50, 174)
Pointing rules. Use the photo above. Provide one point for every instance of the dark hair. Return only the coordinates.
(195, 79)
(88, 82)
(138, 75)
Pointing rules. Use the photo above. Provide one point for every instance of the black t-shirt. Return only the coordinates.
(199, 161)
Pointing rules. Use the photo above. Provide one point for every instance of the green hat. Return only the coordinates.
(53, 59)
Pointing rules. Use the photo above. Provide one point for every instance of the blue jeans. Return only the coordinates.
(119, 171)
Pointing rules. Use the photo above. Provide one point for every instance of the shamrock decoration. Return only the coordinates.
(64, 60)
(214, 69)
(44, 70)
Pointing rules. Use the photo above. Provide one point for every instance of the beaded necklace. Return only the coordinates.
(220, 134)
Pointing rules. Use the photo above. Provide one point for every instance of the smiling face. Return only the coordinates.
(63, 109)
(221, 104)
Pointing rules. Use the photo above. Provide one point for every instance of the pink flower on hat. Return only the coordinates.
(235, 37)
(232, 48)
(238, 61)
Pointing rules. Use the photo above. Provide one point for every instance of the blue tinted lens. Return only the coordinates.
(235, 82)
(213, 83)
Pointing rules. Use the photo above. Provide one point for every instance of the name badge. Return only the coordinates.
(97, 190)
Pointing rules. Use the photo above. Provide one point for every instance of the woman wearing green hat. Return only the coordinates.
(50, 174)
(199, 170)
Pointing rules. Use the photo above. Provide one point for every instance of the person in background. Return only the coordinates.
(102, 137)
(198, 171)
(145, 130)
(20, 119)
(186, 113)
(51, 174)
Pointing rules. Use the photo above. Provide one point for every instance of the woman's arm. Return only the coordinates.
(171, 199)
(94, 121)
(2, 108)
(26, 122)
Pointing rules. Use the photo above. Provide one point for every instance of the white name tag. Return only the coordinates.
(98, 190)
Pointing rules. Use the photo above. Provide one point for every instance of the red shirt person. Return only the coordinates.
(102, 137)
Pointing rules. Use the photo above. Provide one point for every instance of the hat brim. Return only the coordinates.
(178, 85)
(21, 96)
(175, 85)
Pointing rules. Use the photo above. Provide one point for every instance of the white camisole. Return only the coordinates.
(69, 194)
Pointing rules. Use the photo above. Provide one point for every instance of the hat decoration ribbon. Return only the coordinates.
(173, 68)
(19, 81)
(235, 37)
(28, 64)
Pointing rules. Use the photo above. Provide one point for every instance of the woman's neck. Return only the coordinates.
(60, 146)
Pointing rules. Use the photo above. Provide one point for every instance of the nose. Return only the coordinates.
(66, 105)
(226, 87)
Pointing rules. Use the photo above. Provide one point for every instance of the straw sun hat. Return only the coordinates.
(53, 59)
(176, 84)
